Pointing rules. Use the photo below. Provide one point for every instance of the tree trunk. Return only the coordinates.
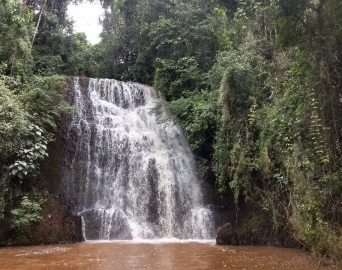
(40, 17)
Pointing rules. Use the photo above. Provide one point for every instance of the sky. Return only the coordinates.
(86, 19)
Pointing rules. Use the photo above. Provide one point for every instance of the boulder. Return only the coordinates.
(226, 235)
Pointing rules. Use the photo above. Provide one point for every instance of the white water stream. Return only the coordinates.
(129, 176)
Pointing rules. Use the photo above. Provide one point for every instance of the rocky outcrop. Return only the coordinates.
(247, 232)
(242, 235)
(57, 226)
(226, 235)
(114, 228)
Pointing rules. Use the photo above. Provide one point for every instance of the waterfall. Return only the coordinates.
(128, 175)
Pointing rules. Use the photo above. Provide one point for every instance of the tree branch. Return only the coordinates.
(306, 26)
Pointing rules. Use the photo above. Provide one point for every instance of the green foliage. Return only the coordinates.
(34, 151)
(197, 117)
(232, 134)
(278, 144)
(174, 78)
(73, 56)
(28, 115)
(27, 213)
(255, 86)
(31, 105)
(13, 119)
(44, 100)
(169, 44)
(15, 31)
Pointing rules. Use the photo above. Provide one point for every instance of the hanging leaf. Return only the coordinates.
(20, 175)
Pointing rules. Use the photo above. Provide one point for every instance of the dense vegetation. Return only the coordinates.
(255, 85)
(31, 101)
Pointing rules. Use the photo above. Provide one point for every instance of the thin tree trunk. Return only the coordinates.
(12, 58)
(40, 17)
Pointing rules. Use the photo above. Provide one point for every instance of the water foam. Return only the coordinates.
(129, 176)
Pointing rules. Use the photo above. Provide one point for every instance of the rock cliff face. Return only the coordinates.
(58, 226)
(58, 223)
(226, 235)
(255, 229)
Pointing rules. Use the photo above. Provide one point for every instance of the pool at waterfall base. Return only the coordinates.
(155, 255)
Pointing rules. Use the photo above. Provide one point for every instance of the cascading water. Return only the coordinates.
(129, 176)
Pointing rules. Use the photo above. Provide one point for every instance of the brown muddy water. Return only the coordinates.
(126, 255)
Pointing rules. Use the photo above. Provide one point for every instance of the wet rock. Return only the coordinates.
(252, 230)
(226, 235)
(115, 226)
(153, 181)
(120, 229)
(93, 225)
(57, 226)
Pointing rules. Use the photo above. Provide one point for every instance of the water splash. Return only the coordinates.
(129, 176)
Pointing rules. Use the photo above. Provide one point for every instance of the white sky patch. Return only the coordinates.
(86, 19)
